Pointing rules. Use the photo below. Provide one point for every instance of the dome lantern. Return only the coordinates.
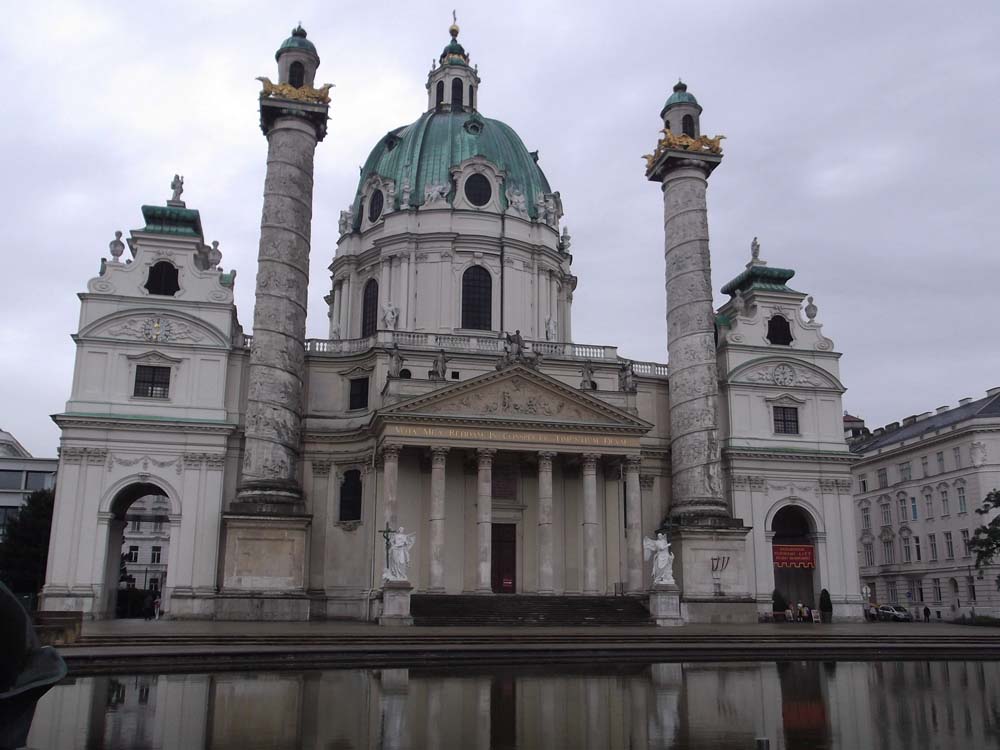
(452, 84)
(297, 59)
(681, 113)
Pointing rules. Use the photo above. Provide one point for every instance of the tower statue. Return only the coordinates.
(293, 118)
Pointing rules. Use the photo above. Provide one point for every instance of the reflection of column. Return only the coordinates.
(590, 542)
(549, 719)
(439, 455)
(668, 680)
(597, 713)
(633, 531)
(638, 688)
(483, 738)
(484, 521)
(390, 475)
(546, 551)
(435, 724)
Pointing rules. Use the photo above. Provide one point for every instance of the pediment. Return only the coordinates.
(516, 394)
(155, 327)
(784, 373)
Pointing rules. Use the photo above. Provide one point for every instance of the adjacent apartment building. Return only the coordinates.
(20, 475)
(917, 487)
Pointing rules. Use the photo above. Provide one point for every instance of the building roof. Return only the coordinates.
(10, 447)
(424, 152)
(680, 96)
(297, 41)
(760, 277)
(984, 407)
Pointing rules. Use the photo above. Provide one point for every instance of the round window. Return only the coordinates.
(478, 190)
(375, 204)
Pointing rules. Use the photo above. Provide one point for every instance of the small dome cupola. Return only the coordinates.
(452, 84)
(297, 60)
(681, 113)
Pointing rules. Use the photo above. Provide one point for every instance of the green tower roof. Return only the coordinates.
(297, 41)
(762, 278)
(424, 152)
(680, 96)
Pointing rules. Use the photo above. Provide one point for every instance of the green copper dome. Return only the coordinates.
(681, 96)
(297, 41)
(424, 153)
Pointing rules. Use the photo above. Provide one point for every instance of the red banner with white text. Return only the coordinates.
(794, 556)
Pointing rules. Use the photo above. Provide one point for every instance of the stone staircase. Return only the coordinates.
(526, 609)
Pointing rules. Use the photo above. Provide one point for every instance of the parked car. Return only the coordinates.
(894, 613)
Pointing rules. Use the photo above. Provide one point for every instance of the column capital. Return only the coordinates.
(486, 457)
(545, 459)
(632, 463)
(590, 460)
(391, 451)
(439, 454)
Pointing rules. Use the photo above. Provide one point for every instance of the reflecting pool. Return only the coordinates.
(854, 705)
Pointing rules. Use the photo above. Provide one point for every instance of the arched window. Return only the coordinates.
(162, 279)
(667, 123)
(297, 74)
(369, 309)
(350, 496)
(477, 299)
(778, 331)
(456, 93)
(375, 206)
(405, 374)
(472, 97)
(687, 125)
(439, 96)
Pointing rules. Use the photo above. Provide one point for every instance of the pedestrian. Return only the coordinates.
(147, 607)
(156, 608)
(927, 614)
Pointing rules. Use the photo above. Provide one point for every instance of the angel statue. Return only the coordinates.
(663, 559)
(397, 566)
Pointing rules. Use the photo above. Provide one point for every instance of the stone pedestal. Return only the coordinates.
(711, 566)
(665, 604)
(396, 603)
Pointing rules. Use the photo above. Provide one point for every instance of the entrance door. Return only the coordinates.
(504, 558)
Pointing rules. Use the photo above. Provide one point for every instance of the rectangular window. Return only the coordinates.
(133, 554)
(929, 501)
(886, 515)
(961, 499)
(920, 590)
(949, 546)
(866, 518)
(912, 588)
(888, 552)
(971, 582)
(916, 547)
(902, 510)
(904, 472)
(154, 583)
(945, 505)
(936, 582)
(956, 452)
(932, 541)
(906, 549)
(11, 480)
(154, 556)
(923, 465)
(6, 513)
(863, 483)
(786, 420)
(892, 592)
(913, 509)
(965, 543)
(136, 525)
(39, 480)
(151, 382)
(883, 478)
(158, 525)
(940, 462)
(869, 554)
(359, 393)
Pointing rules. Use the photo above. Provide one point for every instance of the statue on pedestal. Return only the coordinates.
(395, 362)
(177, 186)
(440, 368)
(398, 545)
(663, 559)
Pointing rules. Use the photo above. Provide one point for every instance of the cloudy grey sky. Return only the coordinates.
(861, 148)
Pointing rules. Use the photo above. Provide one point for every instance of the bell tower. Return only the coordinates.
(267, 523)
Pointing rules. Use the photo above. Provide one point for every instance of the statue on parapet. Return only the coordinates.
(177, 186)
(626, 377)
(395, 361)
(440, 368)
(515, 352)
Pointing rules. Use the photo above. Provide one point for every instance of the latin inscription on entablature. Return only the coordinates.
(491, 435)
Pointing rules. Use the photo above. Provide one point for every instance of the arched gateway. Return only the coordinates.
(794, 555)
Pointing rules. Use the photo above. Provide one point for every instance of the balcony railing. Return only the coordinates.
(470, 342)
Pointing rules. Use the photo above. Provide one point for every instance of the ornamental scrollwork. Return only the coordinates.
(291, 93)
(680, 142)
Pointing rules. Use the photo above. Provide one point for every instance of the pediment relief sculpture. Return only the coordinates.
(784, 374)
(155, 329)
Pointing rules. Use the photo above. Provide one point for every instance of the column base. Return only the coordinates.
(277, 497)
(396, 604)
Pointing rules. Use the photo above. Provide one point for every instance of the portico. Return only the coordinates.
(514, 461)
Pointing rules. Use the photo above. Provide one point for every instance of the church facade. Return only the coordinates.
(450, 401)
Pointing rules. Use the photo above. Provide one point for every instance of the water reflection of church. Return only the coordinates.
(450, 398)
(888, 705)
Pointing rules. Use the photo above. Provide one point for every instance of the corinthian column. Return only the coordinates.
(590, 540)
(546, 549)
(633, 528)
(274, 395)
(484, 521)
(439, 455)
